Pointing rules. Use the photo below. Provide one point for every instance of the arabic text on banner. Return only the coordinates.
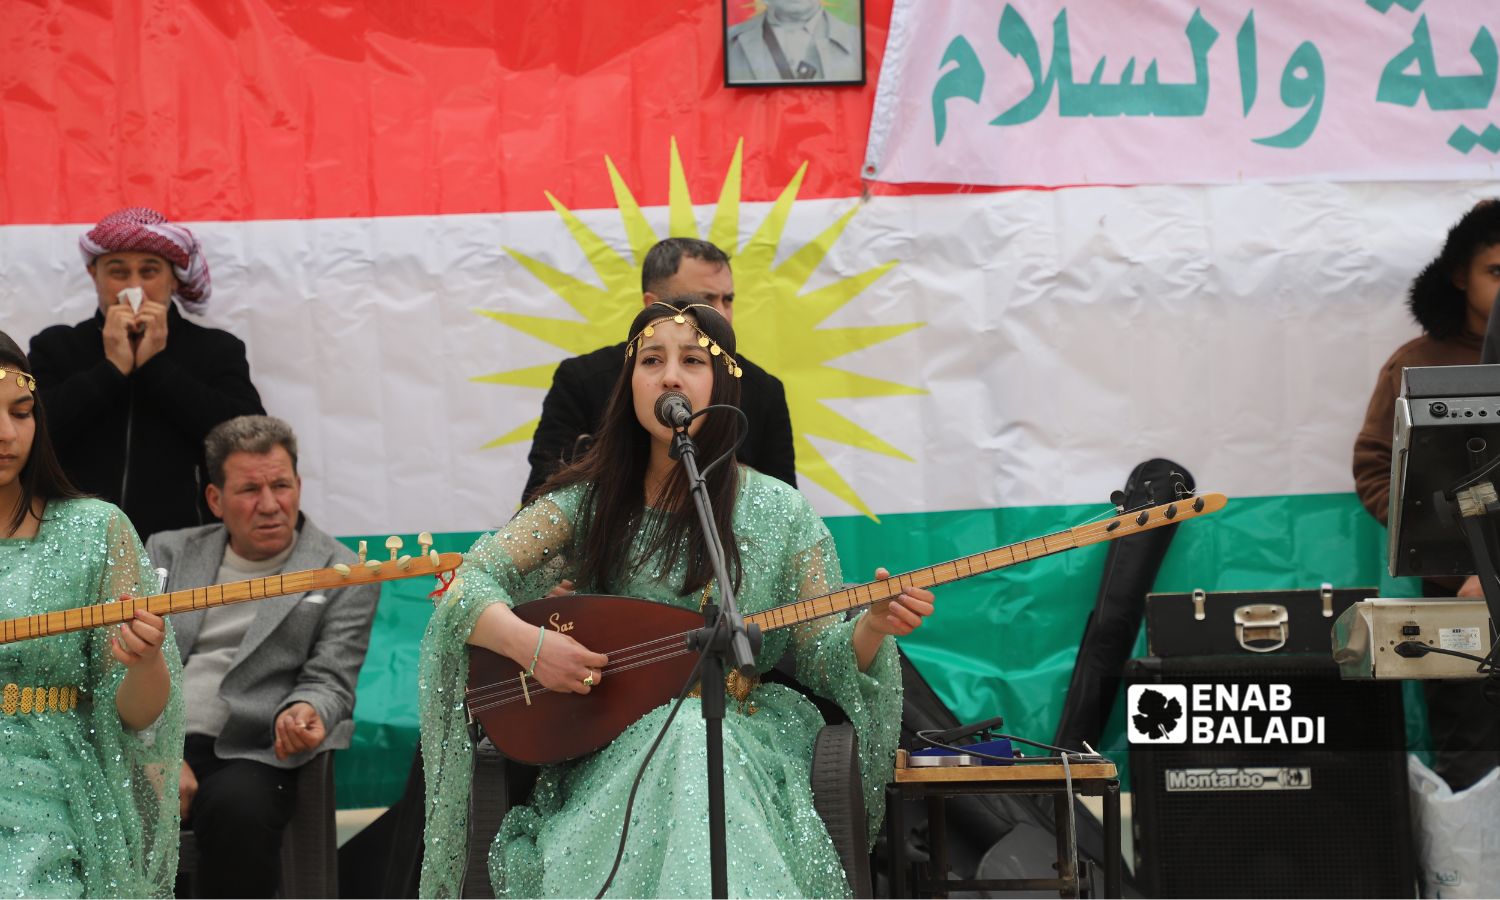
(1041, 92)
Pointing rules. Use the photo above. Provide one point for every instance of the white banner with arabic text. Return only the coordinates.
(1045, 92)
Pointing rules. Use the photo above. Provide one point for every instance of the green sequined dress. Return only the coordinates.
(88, 808)
(563, 843)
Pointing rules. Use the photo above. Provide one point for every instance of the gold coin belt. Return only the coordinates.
(26, 700)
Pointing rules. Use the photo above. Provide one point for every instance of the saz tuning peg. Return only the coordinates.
(394, 544)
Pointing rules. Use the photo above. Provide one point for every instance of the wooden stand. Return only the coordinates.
(936, 784)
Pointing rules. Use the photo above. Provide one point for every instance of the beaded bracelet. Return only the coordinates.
(540, 634)
(531, 672)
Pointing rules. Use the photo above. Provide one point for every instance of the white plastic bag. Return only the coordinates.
(1458, 835)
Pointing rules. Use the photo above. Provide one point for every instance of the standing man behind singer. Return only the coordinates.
(580, 390)
(267, 684)
(132, 390)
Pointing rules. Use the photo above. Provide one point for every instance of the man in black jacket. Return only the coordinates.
(574, 405)
(132, 391)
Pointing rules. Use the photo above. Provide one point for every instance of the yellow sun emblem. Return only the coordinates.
(776, 322)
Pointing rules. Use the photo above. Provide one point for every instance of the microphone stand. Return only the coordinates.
(723, 636)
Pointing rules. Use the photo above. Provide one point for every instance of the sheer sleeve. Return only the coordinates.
(141, 768)
(826, 665)
(522, 561)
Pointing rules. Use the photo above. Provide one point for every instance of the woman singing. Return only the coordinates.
(621, 521)
(90, 723)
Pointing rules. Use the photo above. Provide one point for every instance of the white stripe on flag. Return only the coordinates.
(1068, 336)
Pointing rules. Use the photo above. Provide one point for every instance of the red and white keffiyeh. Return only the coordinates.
(145, 230)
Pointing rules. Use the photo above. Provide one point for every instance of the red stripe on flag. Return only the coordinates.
(267, 109)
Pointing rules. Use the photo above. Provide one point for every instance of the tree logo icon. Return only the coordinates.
(1157, 713)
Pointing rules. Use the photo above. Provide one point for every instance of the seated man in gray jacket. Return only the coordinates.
(267, 684)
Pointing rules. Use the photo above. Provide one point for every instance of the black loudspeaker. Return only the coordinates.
(1232, 820)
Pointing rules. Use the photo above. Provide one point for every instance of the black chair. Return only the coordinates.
(309, 846)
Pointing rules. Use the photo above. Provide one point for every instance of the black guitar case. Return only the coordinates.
(1110, 633)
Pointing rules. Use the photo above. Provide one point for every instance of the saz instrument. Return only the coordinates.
(650, 660)
(338, 576)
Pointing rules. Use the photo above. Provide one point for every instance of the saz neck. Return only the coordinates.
(113, 613)
(989, 561)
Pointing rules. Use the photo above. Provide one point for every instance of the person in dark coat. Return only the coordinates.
(133, 390)
(1451, 300)
(574, 405)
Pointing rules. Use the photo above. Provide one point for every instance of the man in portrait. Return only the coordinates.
(794, 40)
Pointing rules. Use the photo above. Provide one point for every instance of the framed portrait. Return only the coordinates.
(793, 43)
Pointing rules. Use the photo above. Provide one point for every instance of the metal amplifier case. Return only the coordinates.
(1366, 634)
(1440, 411)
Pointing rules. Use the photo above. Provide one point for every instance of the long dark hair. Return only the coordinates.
(1435, 301)
(614, 470)
(42, 475)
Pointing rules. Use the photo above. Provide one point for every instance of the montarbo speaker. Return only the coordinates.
(1225, 819)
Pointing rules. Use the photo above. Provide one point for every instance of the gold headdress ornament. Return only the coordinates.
(22, 379)
(703, 339)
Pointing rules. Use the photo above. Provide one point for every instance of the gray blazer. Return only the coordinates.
(299, 647)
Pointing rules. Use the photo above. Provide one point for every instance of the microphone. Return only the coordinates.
(673, 410)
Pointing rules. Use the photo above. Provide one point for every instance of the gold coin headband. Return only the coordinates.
(22, 379)
(703, 339)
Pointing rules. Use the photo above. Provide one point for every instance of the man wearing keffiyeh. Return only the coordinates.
(133, 390)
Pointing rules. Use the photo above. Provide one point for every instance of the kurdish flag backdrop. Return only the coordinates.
(413, 211)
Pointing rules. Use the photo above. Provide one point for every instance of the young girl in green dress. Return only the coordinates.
(90, 721)
(620, 521)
